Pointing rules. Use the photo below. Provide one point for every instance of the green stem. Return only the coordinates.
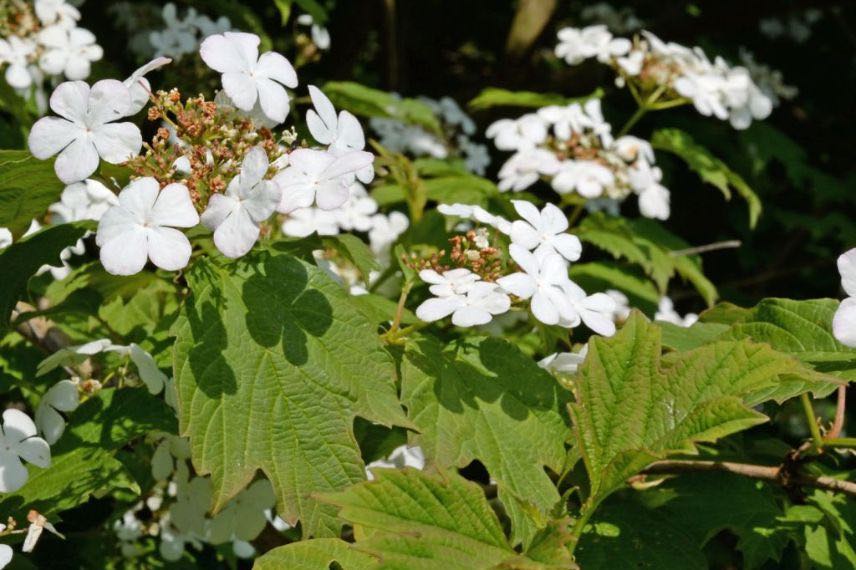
(575, 215)
(849, 442)
(586, 512)
(812, 420)
(399, 309)
(640, 112)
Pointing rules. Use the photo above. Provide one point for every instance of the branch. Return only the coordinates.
(776, 475)
(840, 408)
(729, 244)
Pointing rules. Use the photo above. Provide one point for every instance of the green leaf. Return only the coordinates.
(316, 554)
(484, 399)
(314, 9)
(709, 168)
(687, 338)
(272, 364)
(648, 244)
(634, 406)
(83, 461)
(284, 7)
(369, 102)
(801, 328)
(410, 519)
(27, 187)
(494, 97)
(830, 542)
(22, 259)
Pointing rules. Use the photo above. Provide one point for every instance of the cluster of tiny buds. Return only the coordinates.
(474, 252)
(210, 139)
(17, 18)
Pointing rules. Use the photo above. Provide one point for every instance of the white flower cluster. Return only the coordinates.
(52, 46)
(180, 502)
(574, 147)
(144, 223)
(319, 34)
(714, 87)
(181, 36)
(666, 313)
(458, 128)
(543, 251)
(844, 322)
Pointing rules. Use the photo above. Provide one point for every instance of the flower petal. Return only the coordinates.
(331, 195)
(219, 208)
(274, 66)
(117, 142)
(524, 235)
(518, 284)
(108, 100)
(847, 269)
(17, 426)
(36, 451)
(173, 207)
(568, 246)
(241, 89)
(230, 52)
(436, 308)
(528, 212)
(273, 99)
(50, 135)
(77, 161)
(70, 100)
(844, 322)
(543, 309)
(470, 317)
(553, 220)
(168, 248)
(237, 234)
(125, 254)
(13, 474)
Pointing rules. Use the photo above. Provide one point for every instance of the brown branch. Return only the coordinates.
(776, 475)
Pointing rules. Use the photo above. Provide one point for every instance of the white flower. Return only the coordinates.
(307, 221)
(564, 363)
(68, 51)
(16, 52)
(148, 369)
(56, 11)
(594, 310)
(587, 177)
(401, 457)
(86, 200)
(543, 281)
(142, 227)
(246, 76)
(518, 134)
(139, 86)
(83, 132)
(475, 307)
(5, 238)
(320, 34)
(544, 231)
(6, 551)
(524, 168)
(248, 201)
(477, 213)
(576, 45)
(72, 355)
(358, 212)
(244, 516)
(178, 37)
(622, 305)
(315, 176)
(18, 441)
(654, 202)
(62, 397)
(341, 134)
(666, 312)
(844, 321)
(385, 230)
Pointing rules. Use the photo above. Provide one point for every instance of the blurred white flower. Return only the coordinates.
(844, 321)
(666, 312)
(68, 51)
(401, 457)
(18, 441)
(16, 52)
(564, 363)
(62, 397)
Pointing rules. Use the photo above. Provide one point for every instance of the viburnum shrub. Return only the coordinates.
(237, 325)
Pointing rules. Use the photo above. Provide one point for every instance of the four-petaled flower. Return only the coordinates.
(246, 76)
(544, 231)
(249, 200)
(543, 280)
(317, 176)
(341, 134)
(18, 441)
(142, 227)
(83, 132)
(62, 397)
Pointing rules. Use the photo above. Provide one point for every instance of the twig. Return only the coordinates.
(811, 419)
(840, 408)
(763, 472)
(728, 244)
